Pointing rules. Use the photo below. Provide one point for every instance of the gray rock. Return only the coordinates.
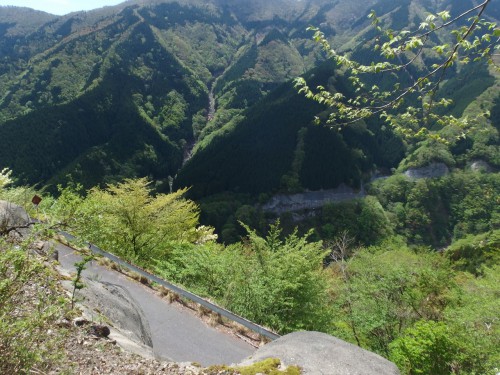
(321, 354)
(54, 255)
(310, 200)
(115, 302)
(12, 215)
(432, 170)
(480, 166)
(99, 330)
(46, 249)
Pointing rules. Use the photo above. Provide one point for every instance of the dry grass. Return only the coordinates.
(104, 262)
(263, 341)
(164, 292)
(115, 267)
(202, 311)
(215, 319)
(144, 280)
(238, 328)
(173, 297)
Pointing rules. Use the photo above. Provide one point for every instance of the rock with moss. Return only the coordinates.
(12, 215)
(318, 353)
(268, 366)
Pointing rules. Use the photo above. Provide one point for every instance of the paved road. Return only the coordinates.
(177, 334)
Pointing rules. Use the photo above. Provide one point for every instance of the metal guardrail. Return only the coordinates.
(184, 293)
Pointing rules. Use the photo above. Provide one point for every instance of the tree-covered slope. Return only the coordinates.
(126, 112)
(277, 147)
(186, 72)
(140, 67)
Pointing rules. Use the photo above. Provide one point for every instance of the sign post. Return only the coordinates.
(36, 201)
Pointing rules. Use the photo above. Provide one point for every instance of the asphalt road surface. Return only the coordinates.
(177, 334)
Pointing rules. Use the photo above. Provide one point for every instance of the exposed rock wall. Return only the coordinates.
(432, 170)
(310, 199)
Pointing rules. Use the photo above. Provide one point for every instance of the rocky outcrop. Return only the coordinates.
(480, 166)
(432, 170)
(321, 354)
(118, 306)
(12, 215)
(310, 200)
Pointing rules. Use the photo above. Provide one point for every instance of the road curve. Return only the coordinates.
(177, 334)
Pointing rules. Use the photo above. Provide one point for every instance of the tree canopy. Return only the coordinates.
(423, 54)
(5, 177)
(127, 219)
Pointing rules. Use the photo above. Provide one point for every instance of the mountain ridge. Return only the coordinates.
(172, 57)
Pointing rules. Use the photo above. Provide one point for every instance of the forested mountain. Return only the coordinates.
(276, 147)
(387, 239)
(124, 91)
(137, 89)
(73, 87)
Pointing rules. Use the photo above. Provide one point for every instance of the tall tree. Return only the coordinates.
(127, 219)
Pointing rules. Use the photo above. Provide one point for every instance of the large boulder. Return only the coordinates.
(116, 303)
(12, 215)
(321, 354)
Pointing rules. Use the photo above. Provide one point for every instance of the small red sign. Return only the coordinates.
(36, 200)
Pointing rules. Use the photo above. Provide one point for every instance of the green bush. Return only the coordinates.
(276, 282)
(382, 291)
(425, 348)
(279, 283)
(472, 253)
(29, 308)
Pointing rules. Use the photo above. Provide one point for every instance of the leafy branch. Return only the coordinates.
(5, 179)
(77, 280)
(476, 41)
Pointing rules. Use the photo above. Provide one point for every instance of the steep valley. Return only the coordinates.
(200, 93)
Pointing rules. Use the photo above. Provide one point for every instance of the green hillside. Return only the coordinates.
(133, 90)
(276, 147)
(371, 231)
(123, 91)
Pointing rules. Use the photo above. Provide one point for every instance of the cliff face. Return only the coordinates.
(432, 170)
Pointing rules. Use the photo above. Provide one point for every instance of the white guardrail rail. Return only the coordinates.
(184, 293)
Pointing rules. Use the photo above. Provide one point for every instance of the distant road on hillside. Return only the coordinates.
(177, 334)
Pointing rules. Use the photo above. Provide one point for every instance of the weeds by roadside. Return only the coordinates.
(30, 306)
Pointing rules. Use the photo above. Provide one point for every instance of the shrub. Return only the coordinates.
(29, 307)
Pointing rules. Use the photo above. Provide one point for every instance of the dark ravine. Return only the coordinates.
(211, 102)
